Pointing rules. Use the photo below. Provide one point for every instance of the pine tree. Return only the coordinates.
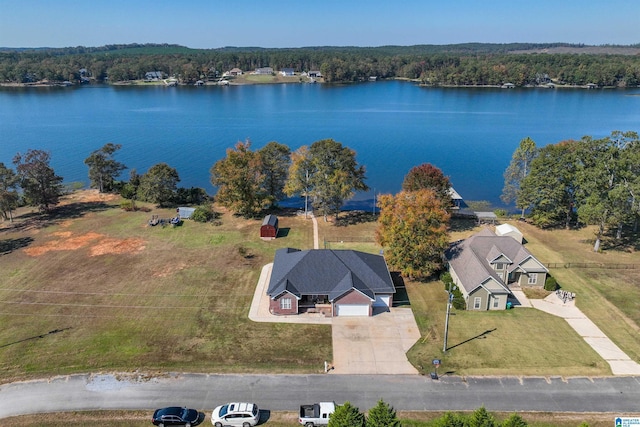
(346, 415)
(382, 415)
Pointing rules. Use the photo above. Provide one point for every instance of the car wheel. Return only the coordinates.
(246, 425)
(161, 425)
(218, 424)
(308, 425)
(187, 425)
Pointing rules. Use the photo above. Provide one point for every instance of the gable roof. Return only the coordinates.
(328, 272)
(271, 220)
(471, 258)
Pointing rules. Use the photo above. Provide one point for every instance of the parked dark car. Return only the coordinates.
(175, 416)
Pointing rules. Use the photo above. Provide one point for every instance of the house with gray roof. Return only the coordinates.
(485, 265)
(333, 282)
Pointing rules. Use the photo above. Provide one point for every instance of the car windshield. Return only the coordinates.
(223, 410)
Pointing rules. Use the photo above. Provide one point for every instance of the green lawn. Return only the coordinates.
(122, 295)
(172, 299)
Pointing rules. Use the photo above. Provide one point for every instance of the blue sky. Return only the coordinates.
(297, 23)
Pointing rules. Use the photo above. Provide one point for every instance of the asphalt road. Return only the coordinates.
(617, 395)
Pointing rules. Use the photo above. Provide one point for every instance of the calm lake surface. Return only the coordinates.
(468, 133)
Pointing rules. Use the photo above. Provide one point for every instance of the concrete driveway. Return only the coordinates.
(374, 345)
(361, 345)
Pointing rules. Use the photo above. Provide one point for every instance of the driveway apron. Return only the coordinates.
(374, 345)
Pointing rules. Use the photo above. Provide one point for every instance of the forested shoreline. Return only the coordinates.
(472, 64)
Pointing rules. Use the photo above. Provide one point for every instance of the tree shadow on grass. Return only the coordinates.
(36, 220)
(77, 210)
(460, 223)
(628, 242)
(355, 217)
(479, 336)
(9, 245)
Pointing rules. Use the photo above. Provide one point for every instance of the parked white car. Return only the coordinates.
(236, 414)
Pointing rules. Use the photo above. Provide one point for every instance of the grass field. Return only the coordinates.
(121, 295)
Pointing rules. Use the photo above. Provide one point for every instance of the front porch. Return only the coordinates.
(315, 304)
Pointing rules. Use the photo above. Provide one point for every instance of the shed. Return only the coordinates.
(185, 213)
(486, 217)
(269, 228)
(509, 230)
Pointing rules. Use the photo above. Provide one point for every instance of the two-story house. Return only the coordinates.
(485, 265)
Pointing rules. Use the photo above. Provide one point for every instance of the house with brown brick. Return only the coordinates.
(333, 282)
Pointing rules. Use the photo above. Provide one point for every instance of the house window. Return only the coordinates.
(285, 303)
(476, 303)
(496, 302)
(500, 266)
(533, 278)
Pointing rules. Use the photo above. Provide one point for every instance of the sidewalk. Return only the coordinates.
(620, 363)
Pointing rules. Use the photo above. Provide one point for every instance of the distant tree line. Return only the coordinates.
(464, 64)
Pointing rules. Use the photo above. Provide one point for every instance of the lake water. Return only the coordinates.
(468, 133)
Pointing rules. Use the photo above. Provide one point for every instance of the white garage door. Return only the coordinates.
(352, 310)
(382, 301)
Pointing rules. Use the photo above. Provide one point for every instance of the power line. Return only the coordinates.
(99, 305)
(103, 293)
(79, 316)
(118, 294)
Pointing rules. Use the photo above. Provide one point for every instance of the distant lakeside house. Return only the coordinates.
(153, 75)
(486, 265)
(332, 282)
(263, 71)
(287, 72)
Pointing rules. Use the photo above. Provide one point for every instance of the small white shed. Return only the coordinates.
(509, 230)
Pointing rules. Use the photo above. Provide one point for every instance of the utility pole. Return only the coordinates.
(306, 192)
(446, 322)
(374, 202)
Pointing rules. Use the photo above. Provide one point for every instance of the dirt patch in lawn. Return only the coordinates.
(98, 244)
(88, 196)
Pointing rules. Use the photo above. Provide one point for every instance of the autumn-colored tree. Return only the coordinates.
(240, 181)
(412, 228)
(428, 176)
